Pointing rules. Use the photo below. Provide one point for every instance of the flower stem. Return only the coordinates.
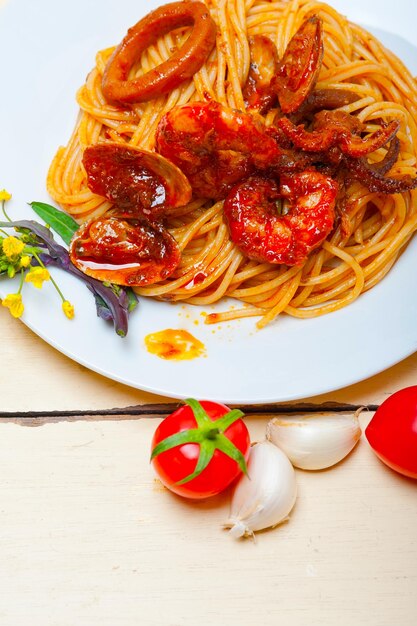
(57, 288)
(22, 278)
(4, 211)
(50, 277)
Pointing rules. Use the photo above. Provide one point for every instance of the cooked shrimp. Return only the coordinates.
(263, 234)
(215, 146)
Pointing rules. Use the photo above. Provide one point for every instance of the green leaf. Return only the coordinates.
(193, 435)
(207, 449)
(59, 221)
(227, 447)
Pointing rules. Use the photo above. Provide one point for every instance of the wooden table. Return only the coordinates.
(89, 537)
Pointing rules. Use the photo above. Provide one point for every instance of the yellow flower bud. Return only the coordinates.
(12, 246)
(14, 303)
(68, 309)
(5, 195)
(37, 276)
(25, 261)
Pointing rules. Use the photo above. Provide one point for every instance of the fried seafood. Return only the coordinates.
(142, 183)
(263, 234)
(118, 88)
(277, 179)
(215, 146)
(124, 251)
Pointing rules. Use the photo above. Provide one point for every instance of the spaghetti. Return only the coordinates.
(374, 227)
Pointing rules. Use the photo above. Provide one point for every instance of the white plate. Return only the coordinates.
(47, 48)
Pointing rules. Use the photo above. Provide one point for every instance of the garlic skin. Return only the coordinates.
(266, 496)
(317, 440)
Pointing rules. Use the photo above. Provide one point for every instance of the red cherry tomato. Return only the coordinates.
(392, 432)
(180, 461)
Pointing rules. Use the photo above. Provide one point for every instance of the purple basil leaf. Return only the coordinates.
(103, 312)
(44, 236)
(111, 303)
(102, 309)
(117, 310)
(42, 232)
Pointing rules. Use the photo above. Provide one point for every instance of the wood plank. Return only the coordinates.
(74, 387)
(90, 537)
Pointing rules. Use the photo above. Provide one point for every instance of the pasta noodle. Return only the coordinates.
(375, 227)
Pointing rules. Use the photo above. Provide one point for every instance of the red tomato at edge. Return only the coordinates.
(392, 432)
(173, 465)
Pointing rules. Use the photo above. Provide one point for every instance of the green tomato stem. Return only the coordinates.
(209, 435)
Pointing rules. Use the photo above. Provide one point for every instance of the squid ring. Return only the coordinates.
(181, 65)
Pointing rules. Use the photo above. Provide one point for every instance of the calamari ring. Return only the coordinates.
(181, 65)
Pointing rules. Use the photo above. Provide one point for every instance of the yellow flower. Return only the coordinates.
(37, 275)
(25, 261)
(68, 309)
(5, 195)
(12, 246)
(14, 303)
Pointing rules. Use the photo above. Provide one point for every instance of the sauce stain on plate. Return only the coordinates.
(174, 345)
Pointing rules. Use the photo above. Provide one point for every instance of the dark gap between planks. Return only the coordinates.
(34, 418)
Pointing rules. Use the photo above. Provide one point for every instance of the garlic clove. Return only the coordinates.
(266, 496)
(317, 440)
